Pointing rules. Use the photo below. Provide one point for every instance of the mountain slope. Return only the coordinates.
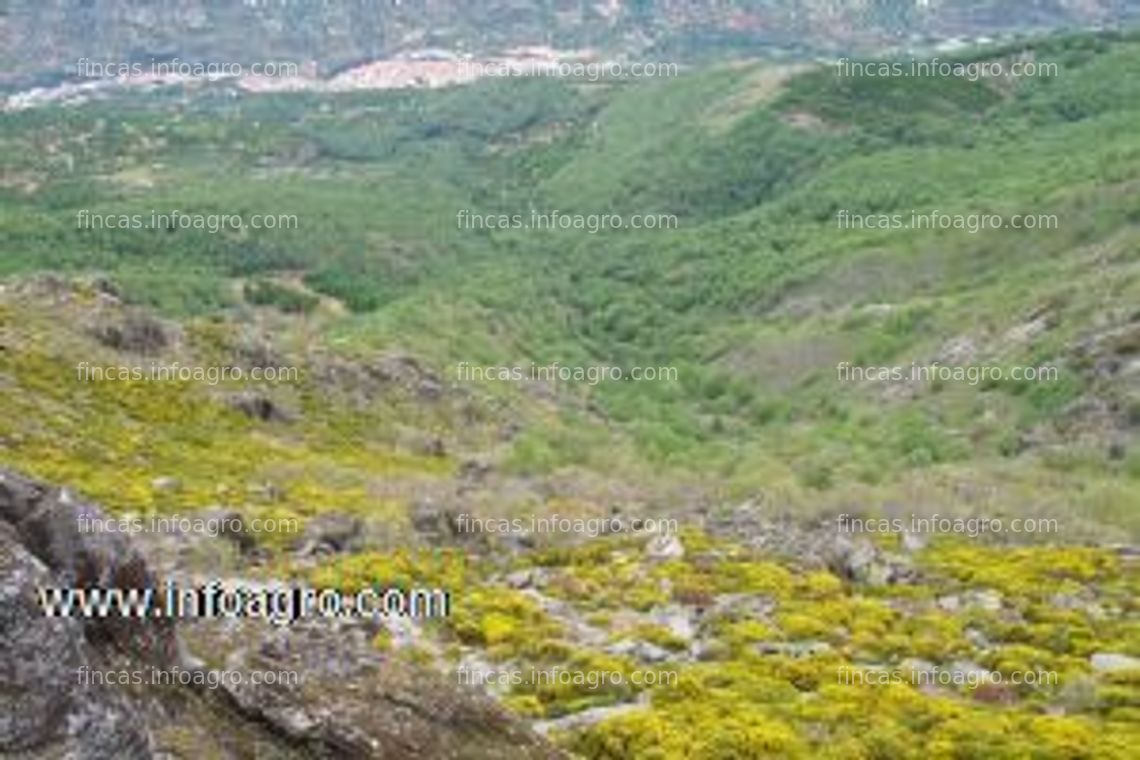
(755, 299)
(767, 615)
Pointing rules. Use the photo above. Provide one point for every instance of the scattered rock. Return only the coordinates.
(433, 446)
(795, 649)
(46, 709)
(676, 619)
(1078, 694)
(665, 547)
(859, 561)
(913, 542)
(987, 599)
(1027, 331)
(137, 333)
(332, 533)
(430, 389)
(977, 639)
(232, 527)
(1111, 662)
(529, 578)
(166, 484)
(434, 521)
(474, 470)
(949, 603)
(640, 650)
(335, 694)
(969, 672)
(917, 669)
(349, 700)
(586, 718)
(47, 523)
(957, 351)
(252, 351)
(258, 406)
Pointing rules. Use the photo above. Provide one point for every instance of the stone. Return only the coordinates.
(950, 603)
(853, 559)
(795, 649)
(433, 520)
(347, 699)
(665, 547)
(913, 542)
(529, 578)
(917, 669)
(988, 600)
(640, 650)
(47, 522)
(977, 639)
(47, 709)
(332, 532)
(166, 484)
(676, 619)
(258, 406)
(1112, 662)
(743, 606)
(227, 520)
(136, 333)
(968, 672)
(579, 720)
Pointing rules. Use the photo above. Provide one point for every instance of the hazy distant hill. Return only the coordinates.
(48, 35)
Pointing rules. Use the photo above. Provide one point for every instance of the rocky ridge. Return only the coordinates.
(349, 700)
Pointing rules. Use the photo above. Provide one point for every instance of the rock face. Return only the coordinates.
(346, 700)
(350, 700)
(136, 333)
(63, 534)
(45, 708)
(1108, 662)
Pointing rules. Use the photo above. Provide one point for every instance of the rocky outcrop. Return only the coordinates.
(259, 406)
(64, 534)
(136, 333)
(46, 709)
(346, 699)
(351, 700)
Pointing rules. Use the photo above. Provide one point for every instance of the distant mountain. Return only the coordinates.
(49, 36)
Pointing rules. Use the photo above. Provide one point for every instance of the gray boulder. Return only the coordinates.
(48, 523)
(1111, 662)
(47, 708)
(332, 533)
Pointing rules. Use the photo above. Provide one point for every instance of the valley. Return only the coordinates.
(774, 617)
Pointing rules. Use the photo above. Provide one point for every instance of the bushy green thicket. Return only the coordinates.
(754, 297)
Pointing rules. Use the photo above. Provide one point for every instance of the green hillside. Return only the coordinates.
(753, 297)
